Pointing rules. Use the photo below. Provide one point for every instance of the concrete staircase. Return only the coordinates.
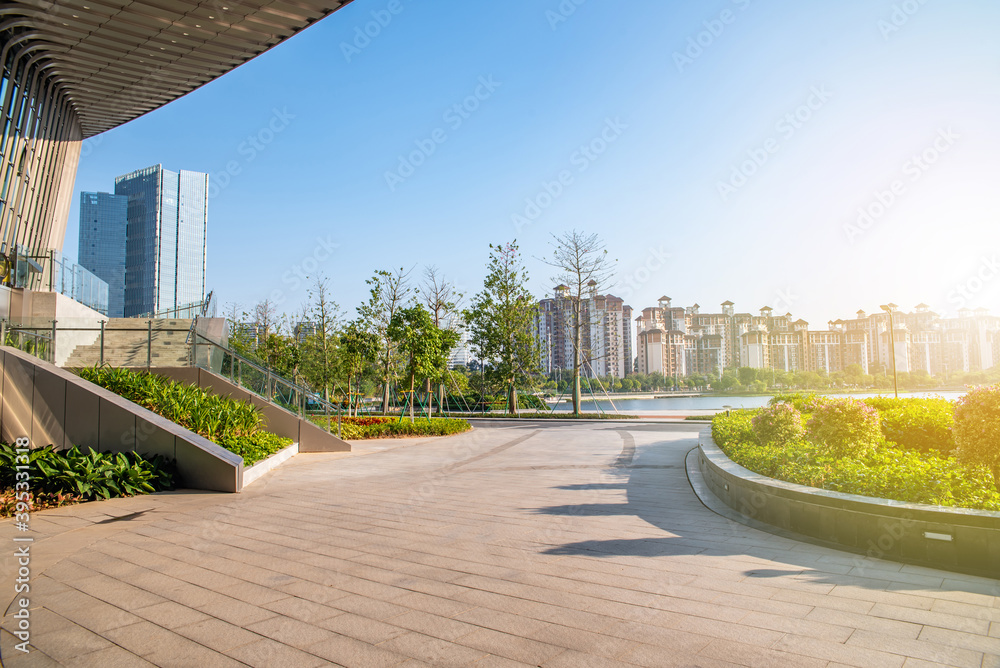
(126, 341)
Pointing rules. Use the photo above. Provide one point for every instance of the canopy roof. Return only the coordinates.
(117, 59)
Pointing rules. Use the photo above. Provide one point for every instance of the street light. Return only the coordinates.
(889, 308)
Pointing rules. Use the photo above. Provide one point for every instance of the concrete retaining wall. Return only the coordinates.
(955, 539)
(51, 406)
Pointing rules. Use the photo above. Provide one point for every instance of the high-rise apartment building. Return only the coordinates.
(711, 342)
(606, 335)
(166, 235)
(103, 219)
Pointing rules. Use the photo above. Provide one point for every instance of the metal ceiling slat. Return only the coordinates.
(118, 59)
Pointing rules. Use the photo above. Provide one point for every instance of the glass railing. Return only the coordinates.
(56, 341)
(212, 356)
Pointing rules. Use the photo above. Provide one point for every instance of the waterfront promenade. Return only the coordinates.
(553, 544)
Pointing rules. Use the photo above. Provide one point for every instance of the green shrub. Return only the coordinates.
(885, 472)
(734, 427)
(844, 426)
(234, 425)
(778, 424)
(803, 402)
(385, 427)
(882, 403)
(920, 424)
(255, 447)
(977, 429)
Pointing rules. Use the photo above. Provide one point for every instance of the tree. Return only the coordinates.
(319, 344)
(582, 263)
(239, 338)
(359, 348)
(423, 345)
(265, 319)
(442, 299)
(388, 292)
(501, 320)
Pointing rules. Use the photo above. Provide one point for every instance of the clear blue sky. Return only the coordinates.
(869, 84)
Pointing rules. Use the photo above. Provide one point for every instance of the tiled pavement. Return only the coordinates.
(559, 546)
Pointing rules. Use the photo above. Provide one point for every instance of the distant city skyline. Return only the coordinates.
(806, 157)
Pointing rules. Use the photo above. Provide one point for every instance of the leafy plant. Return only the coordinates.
(234, 425)
(803, 402)
(778, 424)
(920, 424)
(977, 429)
(886, 472)
(844, 426)
(382, 427)
(58, 475)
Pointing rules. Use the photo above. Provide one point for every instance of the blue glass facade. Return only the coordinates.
(103, 219)
(167, 215)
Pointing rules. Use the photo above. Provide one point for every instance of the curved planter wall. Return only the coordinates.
(966, 541)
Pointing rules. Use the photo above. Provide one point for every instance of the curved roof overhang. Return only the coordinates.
(115, 60)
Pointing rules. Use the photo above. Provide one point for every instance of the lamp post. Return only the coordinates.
(889, 308)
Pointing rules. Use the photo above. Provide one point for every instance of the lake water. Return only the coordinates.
(696, 405)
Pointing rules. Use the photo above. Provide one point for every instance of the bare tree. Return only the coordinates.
(440, 295)
(389, 291)
(443, 300)
(582, 261)
(319, 345)
(265, 318)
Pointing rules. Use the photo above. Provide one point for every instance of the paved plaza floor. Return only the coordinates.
(556, 545)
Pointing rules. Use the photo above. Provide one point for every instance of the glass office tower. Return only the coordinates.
(102, 244)
(165, 238)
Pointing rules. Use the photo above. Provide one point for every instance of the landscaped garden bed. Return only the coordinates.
(929, 451)
(358, 428)
(59, 478)
(231, 424)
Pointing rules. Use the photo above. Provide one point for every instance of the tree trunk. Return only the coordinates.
(512, 400)
(413, 394)
(577, 354)
(385, 387)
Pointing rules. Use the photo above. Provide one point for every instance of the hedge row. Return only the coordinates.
(359, 428)
(913, 450)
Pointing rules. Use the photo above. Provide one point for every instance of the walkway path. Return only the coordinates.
(571, 545)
